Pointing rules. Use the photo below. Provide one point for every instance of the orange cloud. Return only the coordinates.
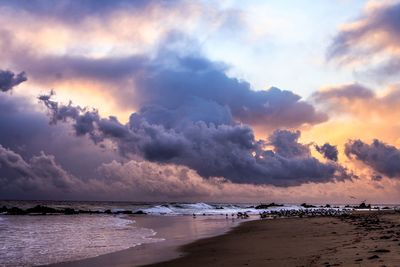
(372, 41)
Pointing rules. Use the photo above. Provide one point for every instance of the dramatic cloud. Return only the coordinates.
(25, 129)
(172, 74)
(347, 91)
(115, 34)
(39, 175)
(8, 79)
(174, 116)
(328, 151)
(373, 38)
(226, 150)
(196, 79)
(349, 99)
(286, 144)
(173, 81)
(381, 157)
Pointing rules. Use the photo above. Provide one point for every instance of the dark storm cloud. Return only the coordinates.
(381, 157)
(39, 175)
(198, 79)
(9, 79)
(26, 130)
(82, 117)
(376, 31)
(347, 91)
(186, 81)
(286, 144)
(328, 151)
(213, 150)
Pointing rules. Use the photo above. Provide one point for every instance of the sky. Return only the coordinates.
(218, 101)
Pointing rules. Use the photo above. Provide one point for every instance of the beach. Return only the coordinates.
(182, 234)
(362, 239)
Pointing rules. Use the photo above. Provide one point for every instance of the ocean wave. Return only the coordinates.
(213, 209)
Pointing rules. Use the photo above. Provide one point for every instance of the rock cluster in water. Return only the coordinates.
(266, 206)
(44, 210)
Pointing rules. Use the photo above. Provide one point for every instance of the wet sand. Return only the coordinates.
(362, 239)
(176, 230)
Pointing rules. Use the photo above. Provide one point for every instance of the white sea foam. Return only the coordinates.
(37, 240)
(207, 209)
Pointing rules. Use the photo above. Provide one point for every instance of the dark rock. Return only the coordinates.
(140, 212)
(266, 206)
(124, 212)
(16, 211)
(38, 209)
(373, 257)
(3, 209)
(381, 251)
(127, 212)
(107, 212)
(363, 206)
(85, 211)
(305, 205)
(69, 211)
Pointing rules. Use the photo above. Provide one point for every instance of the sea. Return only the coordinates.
(36, 240)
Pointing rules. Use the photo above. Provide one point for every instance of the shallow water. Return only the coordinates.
(36, 240)
(175, 230)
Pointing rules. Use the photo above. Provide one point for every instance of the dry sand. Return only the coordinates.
(362, 239)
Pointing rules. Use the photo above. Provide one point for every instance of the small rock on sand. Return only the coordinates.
(373, 257)
(381, 251)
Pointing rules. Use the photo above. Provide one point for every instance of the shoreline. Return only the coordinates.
(359, 239)
(171, 228)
